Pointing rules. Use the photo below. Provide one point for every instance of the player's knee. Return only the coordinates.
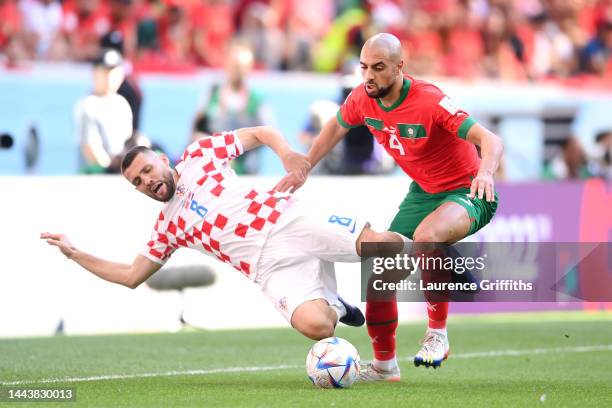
(369, 235)
(318, 330)
(427, 235)
(323, 330)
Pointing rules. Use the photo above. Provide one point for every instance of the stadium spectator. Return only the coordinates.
(84, 24)
(505, 52)
(603, 156)
(42, 21)
(232, 104)
(123, 24)
(129, 88)
(307, 23)
(595, 58)
(518, 40)
(174, 30)
(261, 32)
(552, 49)
(569, 164)
(212, 31)
(9, 32)
(319, 113)
(103, 119)
(423, 45)
(11, 22)
(462, 42)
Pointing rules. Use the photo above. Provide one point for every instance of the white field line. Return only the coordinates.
(481, 354)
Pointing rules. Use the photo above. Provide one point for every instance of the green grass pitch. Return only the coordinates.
(544, 359)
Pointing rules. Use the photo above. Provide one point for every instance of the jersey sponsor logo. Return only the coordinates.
(412, 131)
(448, 105)
(344, 221)
(375, 123)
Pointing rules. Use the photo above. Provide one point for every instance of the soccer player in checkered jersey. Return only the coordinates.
(266, 235)
(451, 196)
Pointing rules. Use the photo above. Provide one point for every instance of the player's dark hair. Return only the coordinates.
(131, 155)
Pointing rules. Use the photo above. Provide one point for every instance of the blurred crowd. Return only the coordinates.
(470, 39)
(508, 39)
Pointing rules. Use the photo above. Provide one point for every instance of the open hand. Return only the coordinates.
(297, 167)
(60, 241)
(482, 186)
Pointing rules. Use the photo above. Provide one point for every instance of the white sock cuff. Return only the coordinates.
(407, 242)
(340, 310)
(385, 365)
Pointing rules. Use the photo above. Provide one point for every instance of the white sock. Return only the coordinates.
(340, 310)
(441, 331)
(385, 365)
(407, 248)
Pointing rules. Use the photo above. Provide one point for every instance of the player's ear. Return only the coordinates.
(164, 158)
(400, 66)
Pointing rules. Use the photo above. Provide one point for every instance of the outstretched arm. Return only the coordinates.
(330, 135)
(123, 274)
(491, 149)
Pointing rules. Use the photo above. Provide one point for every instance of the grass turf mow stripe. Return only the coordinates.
(482, 354)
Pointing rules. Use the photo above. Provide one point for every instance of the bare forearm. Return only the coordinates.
(110, 271)
(491, 149)
(273, 139)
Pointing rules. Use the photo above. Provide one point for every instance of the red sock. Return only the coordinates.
(437, 309)
(438, 312)
(381, 318)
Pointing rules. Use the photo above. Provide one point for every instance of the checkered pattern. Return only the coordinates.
(208, 213)
(219, 147)
(262, 209)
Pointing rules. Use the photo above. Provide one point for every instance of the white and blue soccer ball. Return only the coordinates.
(333, 363)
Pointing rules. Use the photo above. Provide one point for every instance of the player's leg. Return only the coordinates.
(328, 238)
(448, 223)
(303, 291)
(338, 238)
(315, 319)
(381, 316)
(301, 286)
(454, 218)
(393, 243)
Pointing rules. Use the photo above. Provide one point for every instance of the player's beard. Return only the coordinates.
(168, 181)
(380, 92)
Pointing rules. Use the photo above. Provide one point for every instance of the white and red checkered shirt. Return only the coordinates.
(210, 212)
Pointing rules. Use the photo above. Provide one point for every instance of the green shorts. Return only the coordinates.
(418, 204)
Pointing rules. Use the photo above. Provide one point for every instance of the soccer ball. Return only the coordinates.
(333, 363)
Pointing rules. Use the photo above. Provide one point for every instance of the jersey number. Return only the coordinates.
(344, 221)
(394, 143)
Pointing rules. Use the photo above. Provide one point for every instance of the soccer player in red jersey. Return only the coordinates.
(452, 193)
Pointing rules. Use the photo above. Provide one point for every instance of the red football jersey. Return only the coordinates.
(422, 131)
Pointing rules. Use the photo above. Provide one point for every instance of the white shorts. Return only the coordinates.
(297, 260)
